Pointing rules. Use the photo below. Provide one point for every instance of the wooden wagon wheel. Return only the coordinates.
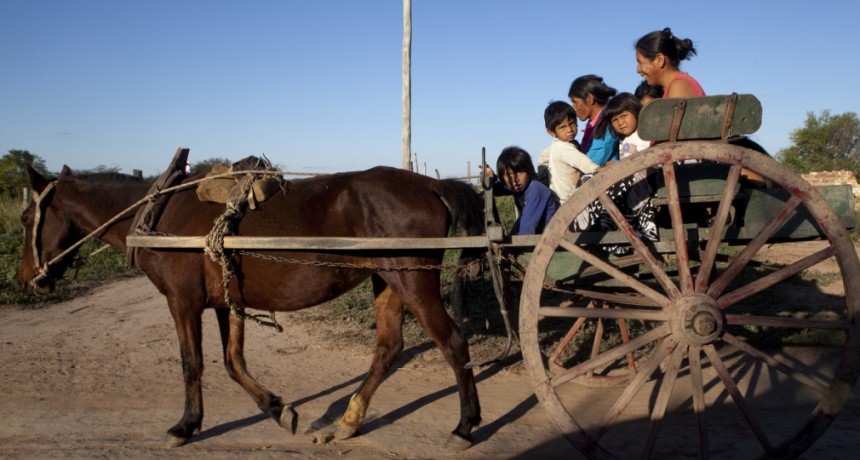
(705, 339)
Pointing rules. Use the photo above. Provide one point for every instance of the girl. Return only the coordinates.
(621, 118)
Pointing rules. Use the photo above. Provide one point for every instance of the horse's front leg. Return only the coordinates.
(189, 331)
(232, 328)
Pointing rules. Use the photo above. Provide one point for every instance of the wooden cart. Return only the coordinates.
(682, 329)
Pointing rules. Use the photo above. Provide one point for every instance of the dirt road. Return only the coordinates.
(99, 376)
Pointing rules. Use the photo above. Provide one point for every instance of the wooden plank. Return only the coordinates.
(697, 182)
(308, 243)
(763, 203)
(703, 118)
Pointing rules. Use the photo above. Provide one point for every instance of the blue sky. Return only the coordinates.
(316, 85)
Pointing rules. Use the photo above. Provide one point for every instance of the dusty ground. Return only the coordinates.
(99, 376)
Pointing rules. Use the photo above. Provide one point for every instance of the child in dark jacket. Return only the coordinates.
(535, 203)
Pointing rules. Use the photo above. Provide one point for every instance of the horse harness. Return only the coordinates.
(39, 202)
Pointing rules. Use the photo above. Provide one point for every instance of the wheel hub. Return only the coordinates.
(697, 319)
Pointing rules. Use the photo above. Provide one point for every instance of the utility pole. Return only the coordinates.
(406, 146)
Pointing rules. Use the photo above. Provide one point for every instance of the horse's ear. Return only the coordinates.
(66, 172)
(36, 181)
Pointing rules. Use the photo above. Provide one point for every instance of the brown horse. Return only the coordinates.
(380, 202)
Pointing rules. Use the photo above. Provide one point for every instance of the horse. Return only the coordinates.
(379, 202)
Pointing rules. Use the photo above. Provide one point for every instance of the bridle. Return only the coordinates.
(39, 202)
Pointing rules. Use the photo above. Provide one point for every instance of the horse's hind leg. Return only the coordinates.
(389, 344)
(232, 328)
(423, 300)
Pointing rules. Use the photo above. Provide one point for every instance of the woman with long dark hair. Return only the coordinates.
(588, 95)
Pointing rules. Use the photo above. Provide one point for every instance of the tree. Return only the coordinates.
(825, 143)
(13, 177)
(99, 169)
(206, 165)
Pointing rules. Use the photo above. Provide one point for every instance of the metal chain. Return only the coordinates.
(461, 268)
(364, 266)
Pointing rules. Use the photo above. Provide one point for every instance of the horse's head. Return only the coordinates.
(48, 231)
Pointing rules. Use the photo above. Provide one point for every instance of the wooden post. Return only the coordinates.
(406, 145)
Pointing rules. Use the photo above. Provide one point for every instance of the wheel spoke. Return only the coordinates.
(678, 230)
(553, 359)
(645, 314)
(698, 390)
(773, 278)
(754, 245)
(739, 400)
(598, 339)
(776, 321)
(774, 362)
(640, 247)
(715, 235)
(634, 386)
(625, 337)
(611, 355)
(614, 272)
(662, 401)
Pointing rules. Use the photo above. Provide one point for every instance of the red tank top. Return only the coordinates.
(697, 88)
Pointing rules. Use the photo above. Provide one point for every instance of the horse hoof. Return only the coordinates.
(456, 443)
(175, 441)
(323, 438)
(289, 419)
(344, 432)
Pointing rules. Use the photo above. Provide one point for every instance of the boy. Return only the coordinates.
(566, 163)
(535, 203)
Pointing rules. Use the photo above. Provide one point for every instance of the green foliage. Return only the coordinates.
(825, 143)
(206, 165)
(99, 169)
(13, 177)
(507, 212)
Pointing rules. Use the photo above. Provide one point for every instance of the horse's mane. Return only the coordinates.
(109, 177)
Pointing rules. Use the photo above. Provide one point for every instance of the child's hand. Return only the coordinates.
(488, 171)
(601, 168)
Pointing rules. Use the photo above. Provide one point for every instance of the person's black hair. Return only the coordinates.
(618, 104)
(665, 42)
(555, 114)
(644, 89)
(517, 159)
(591, 84)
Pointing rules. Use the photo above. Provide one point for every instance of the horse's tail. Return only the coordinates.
(466, 218)
(465, 207)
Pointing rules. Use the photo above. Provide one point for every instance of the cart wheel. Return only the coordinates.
(716, 336)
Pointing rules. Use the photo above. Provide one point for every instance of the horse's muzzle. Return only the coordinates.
(44, 286)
